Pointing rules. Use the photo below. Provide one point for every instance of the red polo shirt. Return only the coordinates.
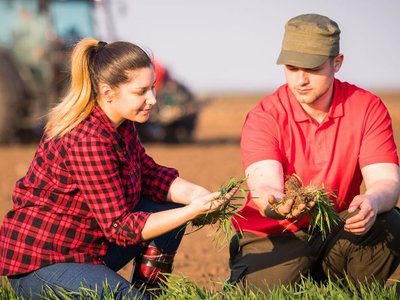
(356, 132)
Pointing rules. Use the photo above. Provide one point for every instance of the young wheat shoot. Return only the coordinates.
(222, 216)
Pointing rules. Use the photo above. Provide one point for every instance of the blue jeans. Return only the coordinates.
(72, 276)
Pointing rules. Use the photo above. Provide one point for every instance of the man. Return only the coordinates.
(332, 134)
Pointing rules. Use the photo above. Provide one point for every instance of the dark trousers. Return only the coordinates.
(266, 262)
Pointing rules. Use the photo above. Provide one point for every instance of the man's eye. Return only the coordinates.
(314, 70)
(291, 68)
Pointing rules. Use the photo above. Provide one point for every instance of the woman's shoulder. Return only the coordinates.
(91, 131)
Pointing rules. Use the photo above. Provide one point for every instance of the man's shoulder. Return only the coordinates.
(351, 91)
(355, 99)
(356, 106)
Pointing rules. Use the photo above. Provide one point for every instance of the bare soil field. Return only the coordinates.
(210, 161)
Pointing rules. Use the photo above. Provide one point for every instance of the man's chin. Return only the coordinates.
(305, 100)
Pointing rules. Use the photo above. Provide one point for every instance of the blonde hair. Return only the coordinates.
(92, 62)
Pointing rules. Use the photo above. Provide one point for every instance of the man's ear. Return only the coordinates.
(338, 61)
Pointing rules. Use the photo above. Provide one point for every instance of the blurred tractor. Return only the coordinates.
(35, 40)
(35, 37)
(174, 118)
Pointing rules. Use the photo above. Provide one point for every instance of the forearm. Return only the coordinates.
(261, 196)
(265, 180)
(183, 192)
(381, 195)
(384, 194)
(382, 182)
(162, 222)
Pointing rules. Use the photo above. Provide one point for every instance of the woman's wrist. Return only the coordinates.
(197, 192)
(191, 211)
(184, 192)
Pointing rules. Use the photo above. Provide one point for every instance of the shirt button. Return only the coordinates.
(115, 225)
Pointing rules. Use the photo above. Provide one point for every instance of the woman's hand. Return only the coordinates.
(210, 202)
(206, 204)
(161, 222)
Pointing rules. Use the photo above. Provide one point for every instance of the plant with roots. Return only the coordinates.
(318, 205)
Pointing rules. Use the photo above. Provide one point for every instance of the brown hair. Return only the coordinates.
(93, 62)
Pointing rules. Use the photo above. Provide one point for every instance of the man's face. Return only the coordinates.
(311, 85)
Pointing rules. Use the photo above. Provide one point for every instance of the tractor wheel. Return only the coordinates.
(181, 131)
(13, 97)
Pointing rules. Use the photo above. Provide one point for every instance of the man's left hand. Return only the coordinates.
(363, 220)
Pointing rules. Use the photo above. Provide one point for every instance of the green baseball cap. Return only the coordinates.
(309, 41)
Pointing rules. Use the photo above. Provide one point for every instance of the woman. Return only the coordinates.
(92, 199)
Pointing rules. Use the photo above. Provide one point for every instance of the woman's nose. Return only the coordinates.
(151, 98)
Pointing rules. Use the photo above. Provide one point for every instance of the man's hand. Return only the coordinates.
(381, 194)
(363, 220)
(281, 210)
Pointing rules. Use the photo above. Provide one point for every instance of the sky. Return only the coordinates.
(232, 45)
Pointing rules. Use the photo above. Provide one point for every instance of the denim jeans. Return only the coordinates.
(72, 276)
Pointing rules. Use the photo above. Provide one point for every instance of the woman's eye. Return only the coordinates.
(141, 93)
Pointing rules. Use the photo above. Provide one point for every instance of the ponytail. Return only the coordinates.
(78, 103)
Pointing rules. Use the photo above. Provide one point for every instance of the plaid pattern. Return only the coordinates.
(152, 265)
(78, 195)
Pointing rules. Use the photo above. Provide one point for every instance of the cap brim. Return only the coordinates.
(301, 60)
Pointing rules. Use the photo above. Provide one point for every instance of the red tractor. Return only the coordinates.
(174, 118)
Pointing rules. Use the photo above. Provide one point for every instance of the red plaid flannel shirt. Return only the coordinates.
(78, 195)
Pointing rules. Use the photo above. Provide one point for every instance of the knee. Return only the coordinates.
(391, 219)
(249, 273)
(390, 225)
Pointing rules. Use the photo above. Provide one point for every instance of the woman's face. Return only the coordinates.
(132, 100)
